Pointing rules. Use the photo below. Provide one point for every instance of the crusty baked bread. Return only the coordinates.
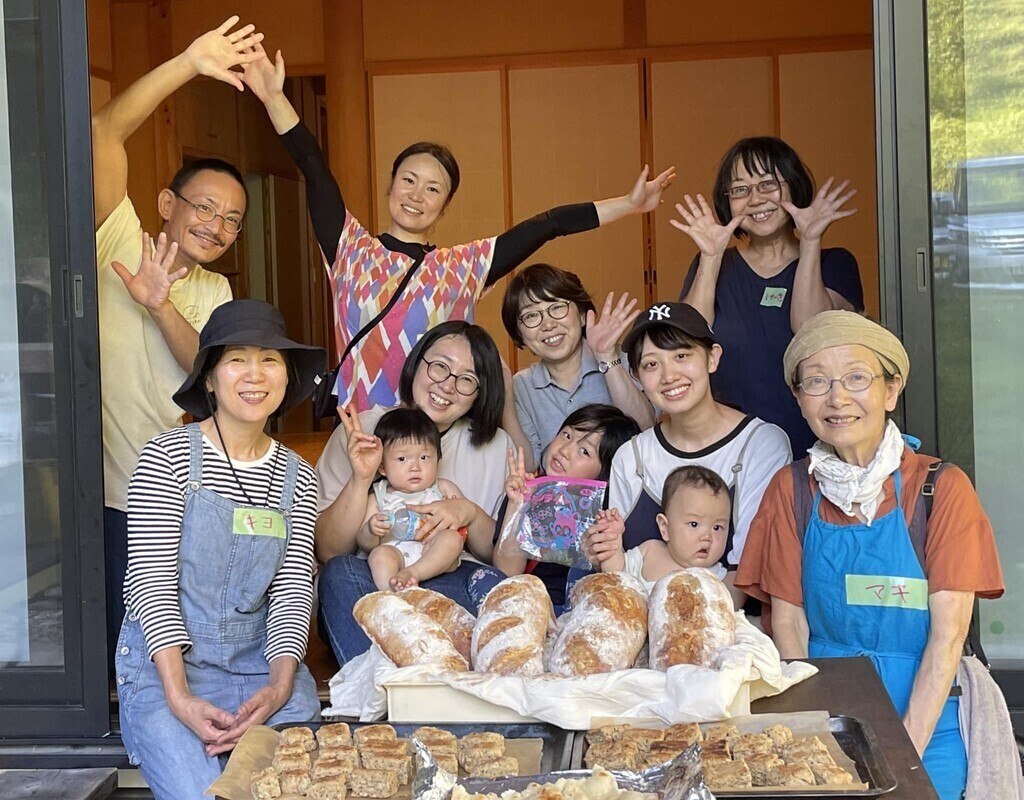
(372, 783)
(791, 775)
(375, 733)
(453, 618)
(830, 776)
(406, 635)
(750, 743)
(606, 628)
(691, 619)
(760, 764)
(495, 768)
(265, 785)
(327, 789)
(688, 732)
(509, 635)
(300, 735)
(333, 734)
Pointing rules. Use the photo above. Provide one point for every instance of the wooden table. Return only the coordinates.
(851, 687)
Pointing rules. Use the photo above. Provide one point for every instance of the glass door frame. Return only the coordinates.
(69, 703)
(905, 233)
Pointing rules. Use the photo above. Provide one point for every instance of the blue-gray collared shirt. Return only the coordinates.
(542, 405)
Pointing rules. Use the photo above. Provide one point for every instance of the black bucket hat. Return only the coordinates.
(677, 315)
(250, 323)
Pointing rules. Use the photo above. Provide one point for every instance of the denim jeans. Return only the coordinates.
(344, 579)
(481, 581)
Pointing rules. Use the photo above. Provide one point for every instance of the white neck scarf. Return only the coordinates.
(847, 484)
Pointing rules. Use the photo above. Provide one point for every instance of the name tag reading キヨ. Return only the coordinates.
(887, 591)
(259, 522)
(773, 296)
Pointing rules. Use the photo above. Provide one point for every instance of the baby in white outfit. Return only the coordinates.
(410, 453)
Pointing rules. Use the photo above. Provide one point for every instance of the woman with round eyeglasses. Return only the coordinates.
(757, 294)
(548, 311)
(847, 551)
(454, 375)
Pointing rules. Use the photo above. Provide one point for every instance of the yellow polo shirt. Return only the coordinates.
(138, 371)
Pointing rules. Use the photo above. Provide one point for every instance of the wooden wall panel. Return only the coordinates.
(129, 28)
(459, 28)
(575, 137)
(827, 112)
(699, 109)
(99, 93)
(748, 21)
(295, 27)
(100, 44)
(206, 114)
(463, 111)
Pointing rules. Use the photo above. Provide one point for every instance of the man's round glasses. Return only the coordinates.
(769, 186)
(532, 319)
(465, 384)
(207, 213)
(818, 385)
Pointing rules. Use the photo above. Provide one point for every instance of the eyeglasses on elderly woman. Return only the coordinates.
(856, 381)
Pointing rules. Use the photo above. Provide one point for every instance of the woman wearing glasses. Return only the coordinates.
(874, 552)
(757, 295)
(454, 375)
(548, 311)
(366, 271)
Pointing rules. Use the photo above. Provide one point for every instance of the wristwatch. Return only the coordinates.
(604, 366)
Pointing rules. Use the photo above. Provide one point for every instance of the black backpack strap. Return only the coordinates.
(803, 503)
(325, 402)
(918, 528)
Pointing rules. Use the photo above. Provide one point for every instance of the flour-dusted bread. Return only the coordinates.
(453, 618)
(691, 619)
(509, 635)
(406, 635)
(606, 627)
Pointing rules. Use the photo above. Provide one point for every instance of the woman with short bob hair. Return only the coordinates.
(219, 585)
(755, 295)
(832, 545)
(548, 311)
(454, 375)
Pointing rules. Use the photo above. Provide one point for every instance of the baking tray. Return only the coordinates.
(557, 743)
(854, 736)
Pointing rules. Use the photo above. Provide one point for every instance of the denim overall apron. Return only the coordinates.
(866, 595)
(222, 591)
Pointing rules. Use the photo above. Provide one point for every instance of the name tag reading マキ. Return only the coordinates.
(887, 591)
(259, 522)
(773, 296)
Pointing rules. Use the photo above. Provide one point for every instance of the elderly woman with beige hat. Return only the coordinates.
(868, 548)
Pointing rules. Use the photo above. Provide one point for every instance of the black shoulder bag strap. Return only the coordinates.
(325, 402)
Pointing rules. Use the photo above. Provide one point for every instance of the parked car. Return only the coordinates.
(986, 226)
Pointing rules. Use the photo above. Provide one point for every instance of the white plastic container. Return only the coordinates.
(436, 702)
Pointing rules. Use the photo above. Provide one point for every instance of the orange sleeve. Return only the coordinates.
(960, 552)
(772, 561)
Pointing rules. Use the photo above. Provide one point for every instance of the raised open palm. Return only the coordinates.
(826, 208)
(700, 225)
(215, 53)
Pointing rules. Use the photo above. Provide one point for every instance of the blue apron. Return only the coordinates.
(223, 586)
(865, 594)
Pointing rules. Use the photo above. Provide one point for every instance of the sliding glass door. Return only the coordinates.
(52, 655)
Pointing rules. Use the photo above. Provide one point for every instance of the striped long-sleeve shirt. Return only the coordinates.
(156, 506)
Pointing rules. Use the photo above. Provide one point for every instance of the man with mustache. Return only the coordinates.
(153, 300)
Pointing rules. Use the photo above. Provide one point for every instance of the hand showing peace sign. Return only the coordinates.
(515, 483)
(365, 451)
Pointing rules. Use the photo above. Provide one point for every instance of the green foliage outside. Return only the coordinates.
(976, 82)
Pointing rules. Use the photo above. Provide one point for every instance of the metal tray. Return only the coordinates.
(557, 743)
(854, 736)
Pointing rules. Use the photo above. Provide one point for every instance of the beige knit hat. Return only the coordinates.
(836, 328)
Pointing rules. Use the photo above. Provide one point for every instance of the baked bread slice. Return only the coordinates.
(791, 775)
(727, 775)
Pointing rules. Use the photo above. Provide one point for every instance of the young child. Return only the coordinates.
(694, 528)
(411, 449)
(582, 448)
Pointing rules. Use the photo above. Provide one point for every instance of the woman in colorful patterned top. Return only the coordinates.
(366, 270)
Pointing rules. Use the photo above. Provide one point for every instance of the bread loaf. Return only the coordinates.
(606, 628)
(691, 618)
(509, 635)
(453, 618)
(405, 635)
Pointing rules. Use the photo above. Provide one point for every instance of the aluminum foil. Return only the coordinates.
(679, 779)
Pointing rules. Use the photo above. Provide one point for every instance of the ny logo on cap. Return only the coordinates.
(659, 312)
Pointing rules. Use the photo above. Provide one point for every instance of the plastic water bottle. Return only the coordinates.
(404, 524)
